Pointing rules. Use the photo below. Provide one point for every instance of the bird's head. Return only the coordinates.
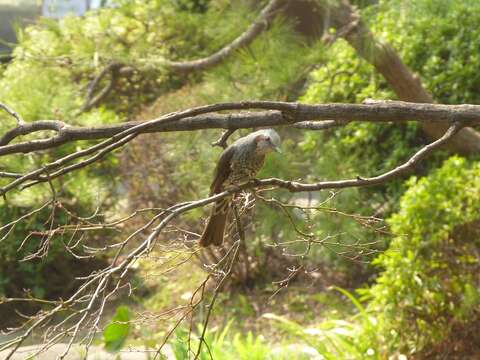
(267, 140)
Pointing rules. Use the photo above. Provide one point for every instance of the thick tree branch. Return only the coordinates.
(277, 114)
(27, 128)
(319, 125)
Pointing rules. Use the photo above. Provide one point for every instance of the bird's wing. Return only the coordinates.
(222, 171)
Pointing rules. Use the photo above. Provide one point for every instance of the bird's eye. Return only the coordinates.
(267, 138)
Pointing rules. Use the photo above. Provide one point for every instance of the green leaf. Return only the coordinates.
(116, 333)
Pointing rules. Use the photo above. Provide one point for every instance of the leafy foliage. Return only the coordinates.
(431, 42)
(116, 332)
(352, 338)
(428, 291)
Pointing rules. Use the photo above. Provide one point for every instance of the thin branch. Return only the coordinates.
(10, 175)
(12, 113)
(101, 154)
(294, 186)
(91, 99)
(217, 290)
(11, 225)
(222, 141)
(107, 146)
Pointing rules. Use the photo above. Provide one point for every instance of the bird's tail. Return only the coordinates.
(213, 233)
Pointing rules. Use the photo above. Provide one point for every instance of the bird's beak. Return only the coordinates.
(277, 149)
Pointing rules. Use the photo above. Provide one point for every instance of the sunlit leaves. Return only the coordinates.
(428, 269)
(116, 332)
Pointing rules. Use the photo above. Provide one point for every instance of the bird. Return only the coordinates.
(237, 164)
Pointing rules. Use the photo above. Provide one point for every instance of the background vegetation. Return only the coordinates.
(418, 297)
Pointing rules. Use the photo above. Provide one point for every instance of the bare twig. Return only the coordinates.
(12, 113)
(10, 175)
(222, 141)
(217, 290)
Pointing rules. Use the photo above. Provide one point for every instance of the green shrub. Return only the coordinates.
(428, 291)
(439, 39)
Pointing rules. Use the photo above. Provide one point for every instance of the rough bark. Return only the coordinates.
(276, 113)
